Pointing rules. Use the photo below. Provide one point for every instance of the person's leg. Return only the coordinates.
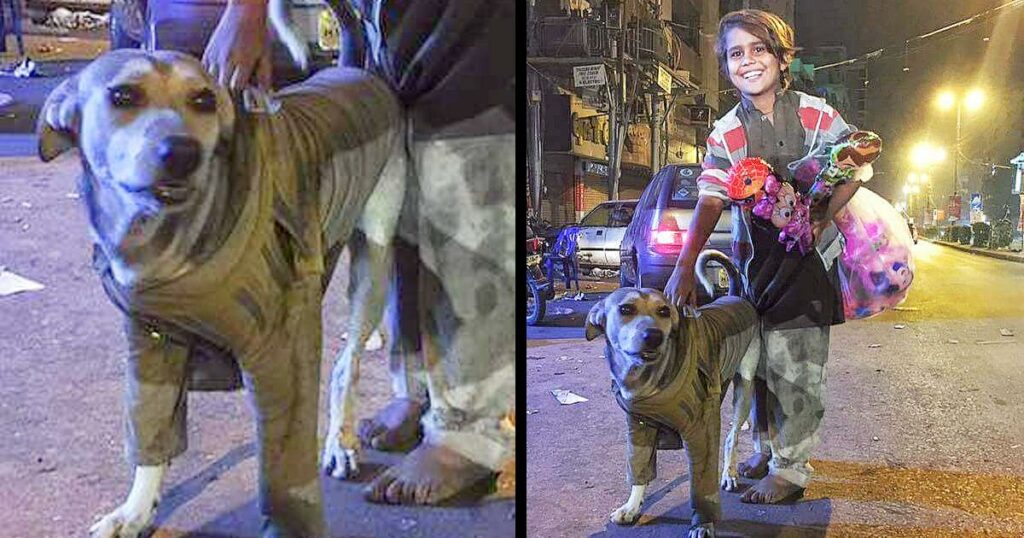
(16, 27)
(468, 314)
(3, 26)
(796, 376)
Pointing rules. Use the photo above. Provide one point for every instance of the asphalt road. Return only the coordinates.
(61, 383)
(921, 431)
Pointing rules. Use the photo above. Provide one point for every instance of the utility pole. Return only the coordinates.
(657, 113)
(536, 146)
(616, 100)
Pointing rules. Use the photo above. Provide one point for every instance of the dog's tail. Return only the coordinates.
(280, 21)
(735, 279)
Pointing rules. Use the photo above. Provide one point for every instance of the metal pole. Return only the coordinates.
(656, 125)
(536, 146)
(956, 158)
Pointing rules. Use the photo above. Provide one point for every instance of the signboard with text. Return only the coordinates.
(954, 207)
(589, 76)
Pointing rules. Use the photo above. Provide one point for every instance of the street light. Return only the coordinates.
(946, 100)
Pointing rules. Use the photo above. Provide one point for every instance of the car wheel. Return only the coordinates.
(624, 273)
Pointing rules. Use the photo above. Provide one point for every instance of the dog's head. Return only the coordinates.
(147, 125)
(638, 324)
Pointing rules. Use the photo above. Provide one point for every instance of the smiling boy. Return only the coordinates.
(797, 296)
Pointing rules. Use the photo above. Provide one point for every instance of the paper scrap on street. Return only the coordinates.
(1006, 332)
(568, 397)
(11, 283)
(989, 342)
(952, 341)
(899, 326)
(874, 346)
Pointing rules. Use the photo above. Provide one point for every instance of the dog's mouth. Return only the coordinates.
(172, 195)
(646, 355)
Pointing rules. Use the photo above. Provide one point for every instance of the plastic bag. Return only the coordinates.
(876, 267)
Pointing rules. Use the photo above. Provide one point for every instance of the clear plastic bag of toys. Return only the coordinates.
(876, 267)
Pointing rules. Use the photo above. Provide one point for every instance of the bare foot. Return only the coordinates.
(396, 428)
(428, 475)
(507, 479)
(755, 467)
(772, 490)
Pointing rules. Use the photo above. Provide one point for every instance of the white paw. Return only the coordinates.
(706, 530)
(339, 461)
(375, 342)
(123, 523)
(730, 479)
(625, 514)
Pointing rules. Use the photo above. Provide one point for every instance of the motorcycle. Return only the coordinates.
(539, 287)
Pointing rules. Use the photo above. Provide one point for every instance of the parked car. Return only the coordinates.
(601, 232)
(652, 242)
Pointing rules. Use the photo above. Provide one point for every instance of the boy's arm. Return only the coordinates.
(239, 47)
(712, 182)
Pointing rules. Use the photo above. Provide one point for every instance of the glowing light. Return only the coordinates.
(925, 154)
(975, 98)
(946, 100)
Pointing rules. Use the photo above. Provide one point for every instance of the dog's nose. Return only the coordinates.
(653, 338)
(179, 155)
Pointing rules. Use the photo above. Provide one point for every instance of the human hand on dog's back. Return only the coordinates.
(240, 46)
(682, 285)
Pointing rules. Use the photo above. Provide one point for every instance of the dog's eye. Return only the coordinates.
(664, 312)
(125, 96)
(627, 309)
(204, 101)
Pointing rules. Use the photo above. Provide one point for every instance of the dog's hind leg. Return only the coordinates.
(742, 398)
(368, 277)
(371, 253)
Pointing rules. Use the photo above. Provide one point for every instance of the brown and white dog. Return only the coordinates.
(219, 226)
(671, 373)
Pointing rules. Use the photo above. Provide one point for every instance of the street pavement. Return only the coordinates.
(61, 384)
(922, 434)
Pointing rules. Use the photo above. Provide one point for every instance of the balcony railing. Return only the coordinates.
(646, 43)
(569, 38)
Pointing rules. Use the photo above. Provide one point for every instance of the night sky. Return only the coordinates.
(901, 105)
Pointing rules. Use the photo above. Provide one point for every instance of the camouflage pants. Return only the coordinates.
(459, 216)
(793, 365)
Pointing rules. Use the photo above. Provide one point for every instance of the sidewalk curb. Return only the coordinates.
(1008, 256)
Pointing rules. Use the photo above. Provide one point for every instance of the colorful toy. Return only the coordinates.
(786, 210)
(746, 180)
(836, 164)
(876, 267)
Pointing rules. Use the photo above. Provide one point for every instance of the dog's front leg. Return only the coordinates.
(642, 467)
(136, 514)
(703, 454)
(629, 512)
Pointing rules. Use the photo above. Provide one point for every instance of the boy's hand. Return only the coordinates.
(239, 47)
(681, 286)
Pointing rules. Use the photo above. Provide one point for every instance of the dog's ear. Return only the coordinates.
(59, 120)
(595, 321)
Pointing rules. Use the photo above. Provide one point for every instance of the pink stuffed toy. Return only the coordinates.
(786, 210)
(876, 267)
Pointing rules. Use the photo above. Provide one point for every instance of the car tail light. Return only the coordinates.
(666, 237)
